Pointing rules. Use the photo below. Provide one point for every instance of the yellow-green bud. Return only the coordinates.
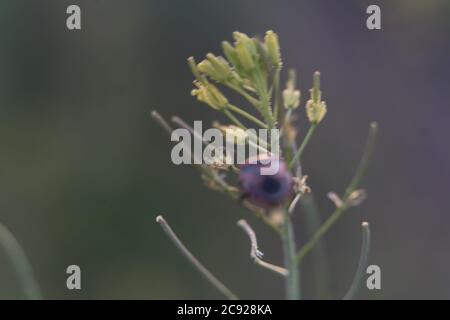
(209, 94)
(230, 53)
(207, 68)
(221, 67)
(273, 48)
(195, 70)
(291, 96)
(244, 56)
(315, 107)
(316, 111)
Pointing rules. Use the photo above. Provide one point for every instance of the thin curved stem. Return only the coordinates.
(321, 274)
(255, 254)
(234, 119)
(161, 121)
(288, 239)
(365, 160)
(354, 184)
(20, 264)
(300, 150)
(247, 115)
(276, 84)
(362, 265)
(188, 255)
(253, 101)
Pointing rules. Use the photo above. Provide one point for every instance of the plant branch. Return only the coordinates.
(362, 265)
(320, 263)
(288, 239)
(300, 150)
(247, 115)
(346, 201)
(188, 255)
(20, 264)
(255, 254)
(161, 121)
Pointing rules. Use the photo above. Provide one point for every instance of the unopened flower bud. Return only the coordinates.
(244, 56)
(291, 96)
(273, 48)
(315, 107)
(195, 70)
(206, 67)
(230, 53)
(315, 111)
(220, 64)
(209, 94)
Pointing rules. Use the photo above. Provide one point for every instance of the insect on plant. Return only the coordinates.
(252, 68)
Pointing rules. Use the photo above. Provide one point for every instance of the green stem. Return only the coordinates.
(234, 119)
(365, 160)
(20, 264)
(247, 115)
(292, 279)
(195, 263)
(300, 150)
(276, 84)
(319, 258)
(362, 265)
(253, 101)
(354, 184)
(320, 232)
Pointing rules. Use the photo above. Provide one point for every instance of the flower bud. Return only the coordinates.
(220, 65)
(195, 70)
(209, 94)
(273, 48)
(206, 67)
(315, 107)
(291, 98)
(244, 56)
(230, 53)
(315, 111)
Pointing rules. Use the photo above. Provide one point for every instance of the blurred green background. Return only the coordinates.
(84, 170)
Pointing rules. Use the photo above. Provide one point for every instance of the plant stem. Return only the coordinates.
(362, 265)
(234, 119)
(253, 101)
(319, 257)
(247, 115)
(188, 255)
(288, 239)
(20, 264)
(300, 150)
(354, 184)
(276, 84)
(255, 254)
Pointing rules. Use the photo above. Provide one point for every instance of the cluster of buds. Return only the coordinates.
(250, 56)
(315, 107)
(245, 68)
(209, 94)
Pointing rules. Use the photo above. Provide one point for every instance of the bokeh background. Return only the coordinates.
(84, 170)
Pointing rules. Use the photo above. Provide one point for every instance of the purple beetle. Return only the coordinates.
(265, 190)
